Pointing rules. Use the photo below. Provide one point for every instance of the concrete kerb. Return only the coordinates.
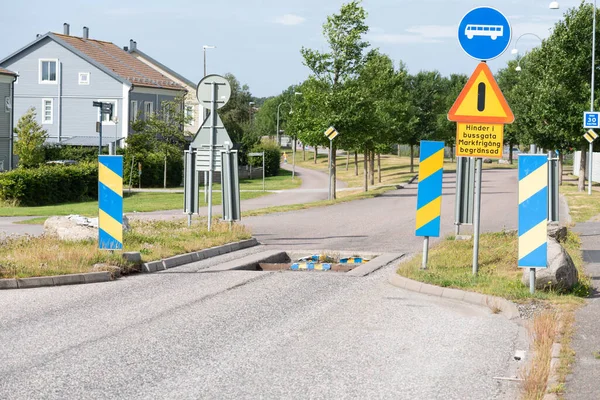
(58, 280)
(182, 259)
(495, 304)
(104, 276)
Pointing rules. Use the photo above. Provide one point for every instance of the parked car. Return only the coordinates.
(61, 162)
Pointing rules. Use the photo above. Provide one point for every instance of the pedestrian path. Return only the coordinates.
(584, 382)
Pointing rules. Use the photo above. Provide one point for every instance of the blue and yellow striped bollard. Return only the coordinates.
(429, 195)
(533, 211)
(110, 202)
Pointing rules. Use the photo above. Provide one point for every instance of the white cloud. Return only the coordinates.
(289, 19)
(417, 34)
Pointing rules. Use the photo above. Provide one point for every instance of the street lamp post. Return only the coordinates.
(554, 6)
(294, 144)
(515, 50)
(204, 51)
(250, 104)
(204, 115)
(291, 111)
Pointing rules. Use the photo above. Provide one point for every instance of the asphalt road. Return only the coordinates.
(189, 333)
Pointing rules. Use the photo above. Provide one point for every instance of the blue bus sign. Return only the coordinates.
(591, 119)
(484, 33)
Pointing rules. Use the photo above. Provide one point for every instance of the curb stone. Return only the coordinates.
(508, 308)
(57, 280)
(105, 276)
(182, 259)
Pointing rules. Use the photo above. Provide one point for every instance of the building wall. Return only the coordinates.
(5, 133)
(144, 95)
(190, 97)
(70, 100)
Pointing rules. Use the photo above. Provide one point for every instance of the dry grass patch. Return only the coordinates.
(44, 256)
(543, 331)
(582, 206)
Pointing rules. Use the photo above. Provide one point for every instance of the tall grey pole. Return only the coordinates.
(213, 129)
(264, 171)
(425, 252)
(591, 152)
(277, 133)
(294, 158)
(476, 215)
(458, 196)
(100, 129)
(204, 116)
(330, 168)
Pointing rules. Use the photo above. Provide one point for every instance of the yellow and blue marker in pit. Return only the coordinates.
(429, 194)
(533, 210)
(110, 202)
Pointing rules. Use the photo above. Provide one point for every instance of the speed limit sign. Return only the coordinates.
(591, 119)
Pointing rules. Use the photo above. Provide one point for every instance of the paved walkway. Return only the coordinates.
(584, 382)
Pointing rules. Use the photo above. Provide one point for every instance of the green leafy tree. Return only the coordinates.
(161, 132)
(446, 130)
(30, 140)
(335, 68)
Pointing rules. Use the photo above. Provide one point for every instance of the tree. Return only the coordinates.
(333, 69)
(161, 132)
(30, 140)
(508, 80)
(446, 130)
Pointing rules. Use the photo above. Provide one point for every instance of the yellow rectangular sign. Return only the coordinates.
(479, 140)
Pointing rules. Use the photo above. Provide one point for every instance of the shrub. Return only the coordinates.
(272, 157)
(50, 184)
(77, 153)
(29, 145)
(153, 169)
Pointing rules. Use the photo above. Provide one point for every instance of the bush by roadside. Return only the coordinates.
(272, 157)
(50, 184)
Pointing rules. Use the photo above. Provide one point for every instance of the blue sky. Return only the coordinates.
(260, 41)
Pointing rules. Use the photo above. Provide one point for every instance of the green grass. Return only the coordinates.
(24, 257)
(450, 265)
(582, 207)
(138, 202)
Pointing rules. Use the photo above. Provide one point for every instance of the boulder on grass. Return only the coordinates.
(75, 227)
(560, 274)
(557, 232)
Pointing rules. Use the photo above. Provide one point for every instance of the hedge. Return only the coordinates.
(153, 165)
(50, 184)
(272, 157)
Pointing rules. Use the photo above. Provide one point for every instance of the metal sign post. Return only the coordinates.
(262, 154)
(331, 133)
(213, 92)
(105, 108)
(477, 214)
(465, 192)
(590, 136)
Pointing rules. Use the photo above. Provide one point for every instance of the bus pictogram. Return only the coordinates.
(493, 31)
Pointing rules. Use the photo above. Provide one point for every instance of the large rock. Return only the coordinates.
(75, 227)
(561, 273)
(557, 232)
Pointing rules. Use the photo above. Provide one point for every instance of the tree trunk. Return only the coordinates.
(347, 159)
(398, 149)
(316, 154)
(582, 168)
(365, 169)
(510, 154)
(303, 152)
(560, 168)
(379, 167)
(165, 173)
(333, 169)
(372, 162)
(355, 163)
(412, 162)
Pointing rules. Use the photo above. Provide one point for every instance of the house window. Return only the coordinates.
(47, 111)
(148, 109)
(84, 78)
(48, 71)
(133, 111)
(189, 115)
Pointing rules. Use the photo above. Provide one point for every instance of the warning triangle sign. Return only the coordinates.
(481, 100)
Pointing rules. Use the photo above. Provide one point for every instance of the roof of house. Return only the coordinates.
(6, 72)
(111, 59)
(163, 67)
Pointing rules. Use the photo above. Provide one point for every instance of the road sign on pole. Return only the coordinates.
(590, 136)
(331, 134)
(533, 210)
(484, 33)
(429, 193)
(213, 92)
(591, 119)
(110, 202)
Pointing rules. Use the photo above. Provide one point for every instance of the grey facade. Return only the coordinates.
(62, 75)
(6, 119)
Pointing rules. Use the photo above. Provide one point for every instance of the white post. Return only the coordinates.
(425, 252)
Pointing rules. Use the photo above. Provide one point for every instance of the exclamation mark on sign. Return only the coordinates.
(481, 97)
